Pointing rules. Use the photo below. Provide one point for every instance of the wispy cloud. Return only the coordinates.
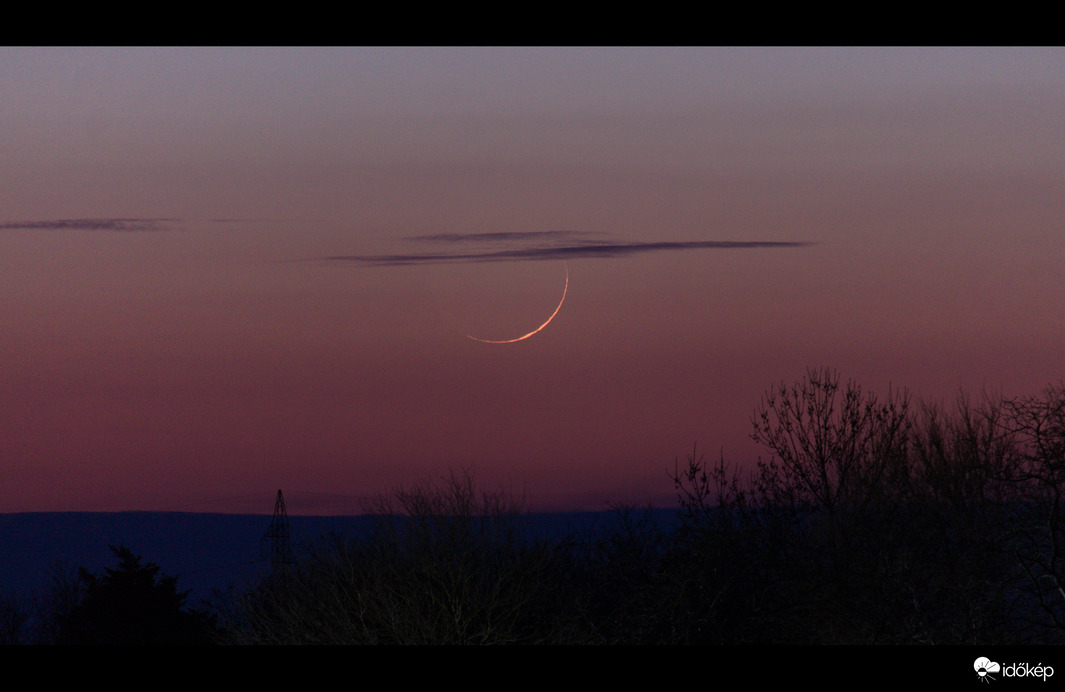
(571, 247)
(119, 225)
(500, 236)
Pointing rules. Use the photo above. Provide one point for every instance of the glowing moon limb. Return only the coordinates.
(522, 338)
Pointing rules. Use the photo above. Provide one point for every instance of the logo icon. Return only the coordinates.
(985, 667)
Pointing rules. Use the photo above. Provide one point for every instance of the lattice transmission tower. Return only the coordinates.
(277, 535)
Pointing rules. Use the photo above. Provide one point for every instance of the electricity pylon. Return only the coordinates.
(277, 534)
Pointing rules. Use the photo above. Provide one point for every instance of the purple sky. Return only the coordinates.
(225, 271)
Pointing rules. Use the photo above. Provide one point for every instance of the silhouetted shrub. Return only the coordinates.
(132, 604)
(442, 565)
(14, 620)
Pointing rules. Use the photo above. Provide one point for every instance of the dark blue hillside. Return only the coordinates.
(204, 551)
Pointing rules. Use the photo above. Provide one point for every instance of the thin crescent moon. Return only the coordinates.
(523, 338)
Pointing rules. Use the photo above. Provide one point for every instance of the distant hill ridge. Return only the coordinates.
(203, 550)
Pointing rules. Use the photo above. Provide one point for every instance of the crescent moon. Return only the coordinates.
(565, 287)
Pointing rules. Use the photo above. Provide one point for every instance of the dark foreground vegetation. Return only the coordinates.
(868, 521)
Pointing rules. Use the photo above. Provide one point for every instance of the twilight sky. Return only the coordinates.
(225, 271)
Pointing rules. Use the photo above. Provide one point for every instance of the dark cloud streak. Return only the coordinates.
(118, 225)
(499, 236)
(564, 252)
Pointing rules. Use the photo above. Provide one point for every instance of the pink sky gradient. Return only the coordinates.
(224, 351)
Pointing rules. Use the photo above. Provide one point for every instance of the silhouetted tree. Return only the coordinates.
(14, 620)
(724, 554)
(838, 466)
(832, 448)
(958, 568)
(56, 603)
(617, 587)
(1037, 526)
(872, 522)
(132, 604)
